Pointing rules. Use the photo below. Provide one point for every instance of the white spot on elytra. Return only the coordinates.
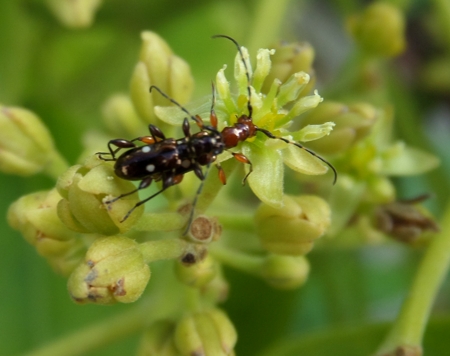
(146, 149)
(150, 167)
(185, 163)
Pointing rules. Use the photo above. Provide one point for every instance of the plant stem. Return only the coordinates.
(162, 249)
(238, 260)
(241, 222)
(408, 329)
(102, 333)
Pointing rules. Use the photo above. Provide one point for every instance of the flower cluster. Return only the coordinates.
(79, 226)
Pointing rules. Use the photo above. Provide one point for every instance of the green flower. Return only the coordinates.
(366, 169)
(270, 114)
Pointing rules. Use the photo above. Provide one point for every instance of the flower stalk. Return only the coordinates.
(408, 329)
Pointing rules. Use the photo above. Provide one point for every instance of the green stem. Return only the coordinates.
(408, 329)
(241, 222)
(160, 222)
(269, 15)
(162, 249)
(102, 333)
(238, 260)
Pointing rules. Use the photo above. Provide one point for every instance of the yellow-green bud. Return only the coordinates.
(217, 289)
(113, 271)
(159, 66)
(290, 58)
(198, 274)
(35, 216)
(76, 14)
(121, 118)
(206, 333)
(353, 123)
(379, 30)
(292, 229)
(285, 272)
(157, 340)
(85, 190)
(26, 146)
(380, 190)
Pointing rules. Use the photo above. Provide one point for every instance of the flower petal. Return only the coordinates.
(407, 161)
(266, 180)
(302, 161)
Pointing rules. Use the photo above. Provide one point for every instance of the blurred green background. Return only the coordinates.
(64, 75)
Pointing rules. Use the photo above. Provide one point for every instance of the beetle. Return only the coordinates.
(167, 159)
(164, 159)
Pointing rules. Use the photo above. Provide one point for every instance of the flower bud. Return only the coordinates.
(198, 274)
(157, 340)
(206, 333)
(113, 271)
(26, 144)
(405, 221)
(217, 289)
(379, 30)
(159, 66)
(121, 118)
(85, 189)
(290, 58)
(35, 216)
(353, 123)
(292, 229)
(285, 272)
(75, 14)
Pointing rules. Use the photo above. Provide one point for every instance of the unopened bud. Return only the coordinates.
(113, 271)
(159, 66)
(120, 117)
(285, 272)
(292, 229)
(76, 14)
(86, 190)
(206, 333)
(290, 58)
(379, 30)
(157, 340)
(35, 216)
(26, 145)
(197, 274)
(352, 123)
